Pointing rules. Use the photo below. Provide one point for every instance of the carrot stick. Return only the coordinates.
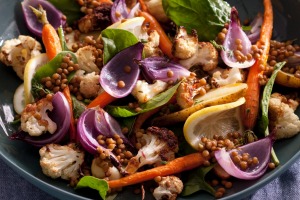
(143, 6)
(178, 165)
(101, 100)
(49, 35)
(165, 43)
(250, 109)
(72, 130)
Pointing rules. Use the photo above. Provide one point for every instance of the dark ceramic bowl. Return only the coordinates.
(24, 158)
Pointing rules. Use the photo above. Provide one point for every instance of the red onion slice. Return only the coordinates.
(122, 68)
(261, 149)
(118, 11)
(235, 32)
(54, 16)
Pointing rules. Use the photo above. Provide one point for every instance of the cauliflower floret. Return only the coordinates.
(143, 91)
(86, 59)
(188, 89)
(282, 116)
(160, 146)
(17, 52)
(35, 120)
(151, 47)
(169, 187)
(104, 169)
(185, 46)
(222, 77)
(61, 161)
(89, 85)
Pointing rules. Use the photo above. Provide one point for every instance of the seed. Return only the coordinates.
(219, 195)
(127, 69)
(243, 165)
(228, 184)
(221, 189)
(239, 47)
(272, 62)
(205, 153)
(170, 73)
(121, 84)
(221, 36)
(238, 41)
(271, 165)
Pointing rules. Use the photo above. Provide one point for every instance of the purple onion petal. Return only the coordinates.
(260, 149)
(294, 60)
(158, 68)
(54, 16)
(113, 71)
(118, 11)
(235, 32)
(133, 10)
(255, 25)
(60, 114)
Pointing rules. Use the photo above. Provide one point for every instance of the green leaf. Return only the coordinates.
(158, 100)
(50, 68)
(115, 40)
(206, 16)
(70, 8)
(94, 183)
(78, 107)
(266, 96)
(196, 181)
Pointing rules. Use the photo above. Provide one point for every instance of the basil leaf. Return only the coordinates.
(266, 96)
(196, 181)
(94, 183)
(115, 40)
(50, 68)
(207, 17)
(158, 100)
(70, 8)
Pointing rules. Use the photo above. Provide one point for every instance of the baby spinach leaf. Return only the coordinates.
(50, 68)
(266, 96)
(70, 8)
(116, 40)
(94, 183)
(158, 100)
(196, 181)
(206, 16)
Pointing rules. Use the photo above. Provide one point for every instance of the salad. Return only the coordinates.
(132, 93)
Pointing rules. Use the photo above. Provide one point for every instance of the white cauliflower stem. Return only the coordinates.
(144, 91)
(89, 85)
(86, 59)
(282, 116)
(61, 161)
(222, 77)
(151, 48)
(169, 187)
(101, 169)
(35, 120)
(17, 52)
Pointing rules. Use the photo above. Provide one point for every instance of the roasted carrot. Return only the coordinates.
(49, 35)
(72, 130)
(178, 165)
(143, 5)
(165, 43)
(250, 109)
(101, 100)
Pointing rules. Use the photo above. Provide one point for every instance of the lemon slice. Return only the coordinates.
(18, 100)
(32, 65)
(288, 80)
(215, 120)
(134, 25)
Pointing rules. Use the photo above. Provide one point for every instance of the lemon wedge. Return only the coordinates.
(288, 80)
(215, 120)
(133, 25)
(32, 65)
(18, 100)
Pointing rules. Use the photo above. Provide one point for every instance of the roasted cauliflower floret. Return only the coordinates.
(89, 85)
(151, 47)
(169, 187)
(188, 89)
(206, 56)
(160, 146)
(222, 77)
(282, 116)
(61, 161)
(86, 59)
(144, 91)
(17, 52)
(35, 120)
(104, 169)
(185, 46)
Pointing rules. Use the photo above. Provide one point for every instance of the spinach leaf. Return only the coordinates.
(158, 100)
(78, 107)
(115, 40)
(196, 181)
(206, 16)
(94, 183)
(50, 68)
(70, 8)
(266, 96)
